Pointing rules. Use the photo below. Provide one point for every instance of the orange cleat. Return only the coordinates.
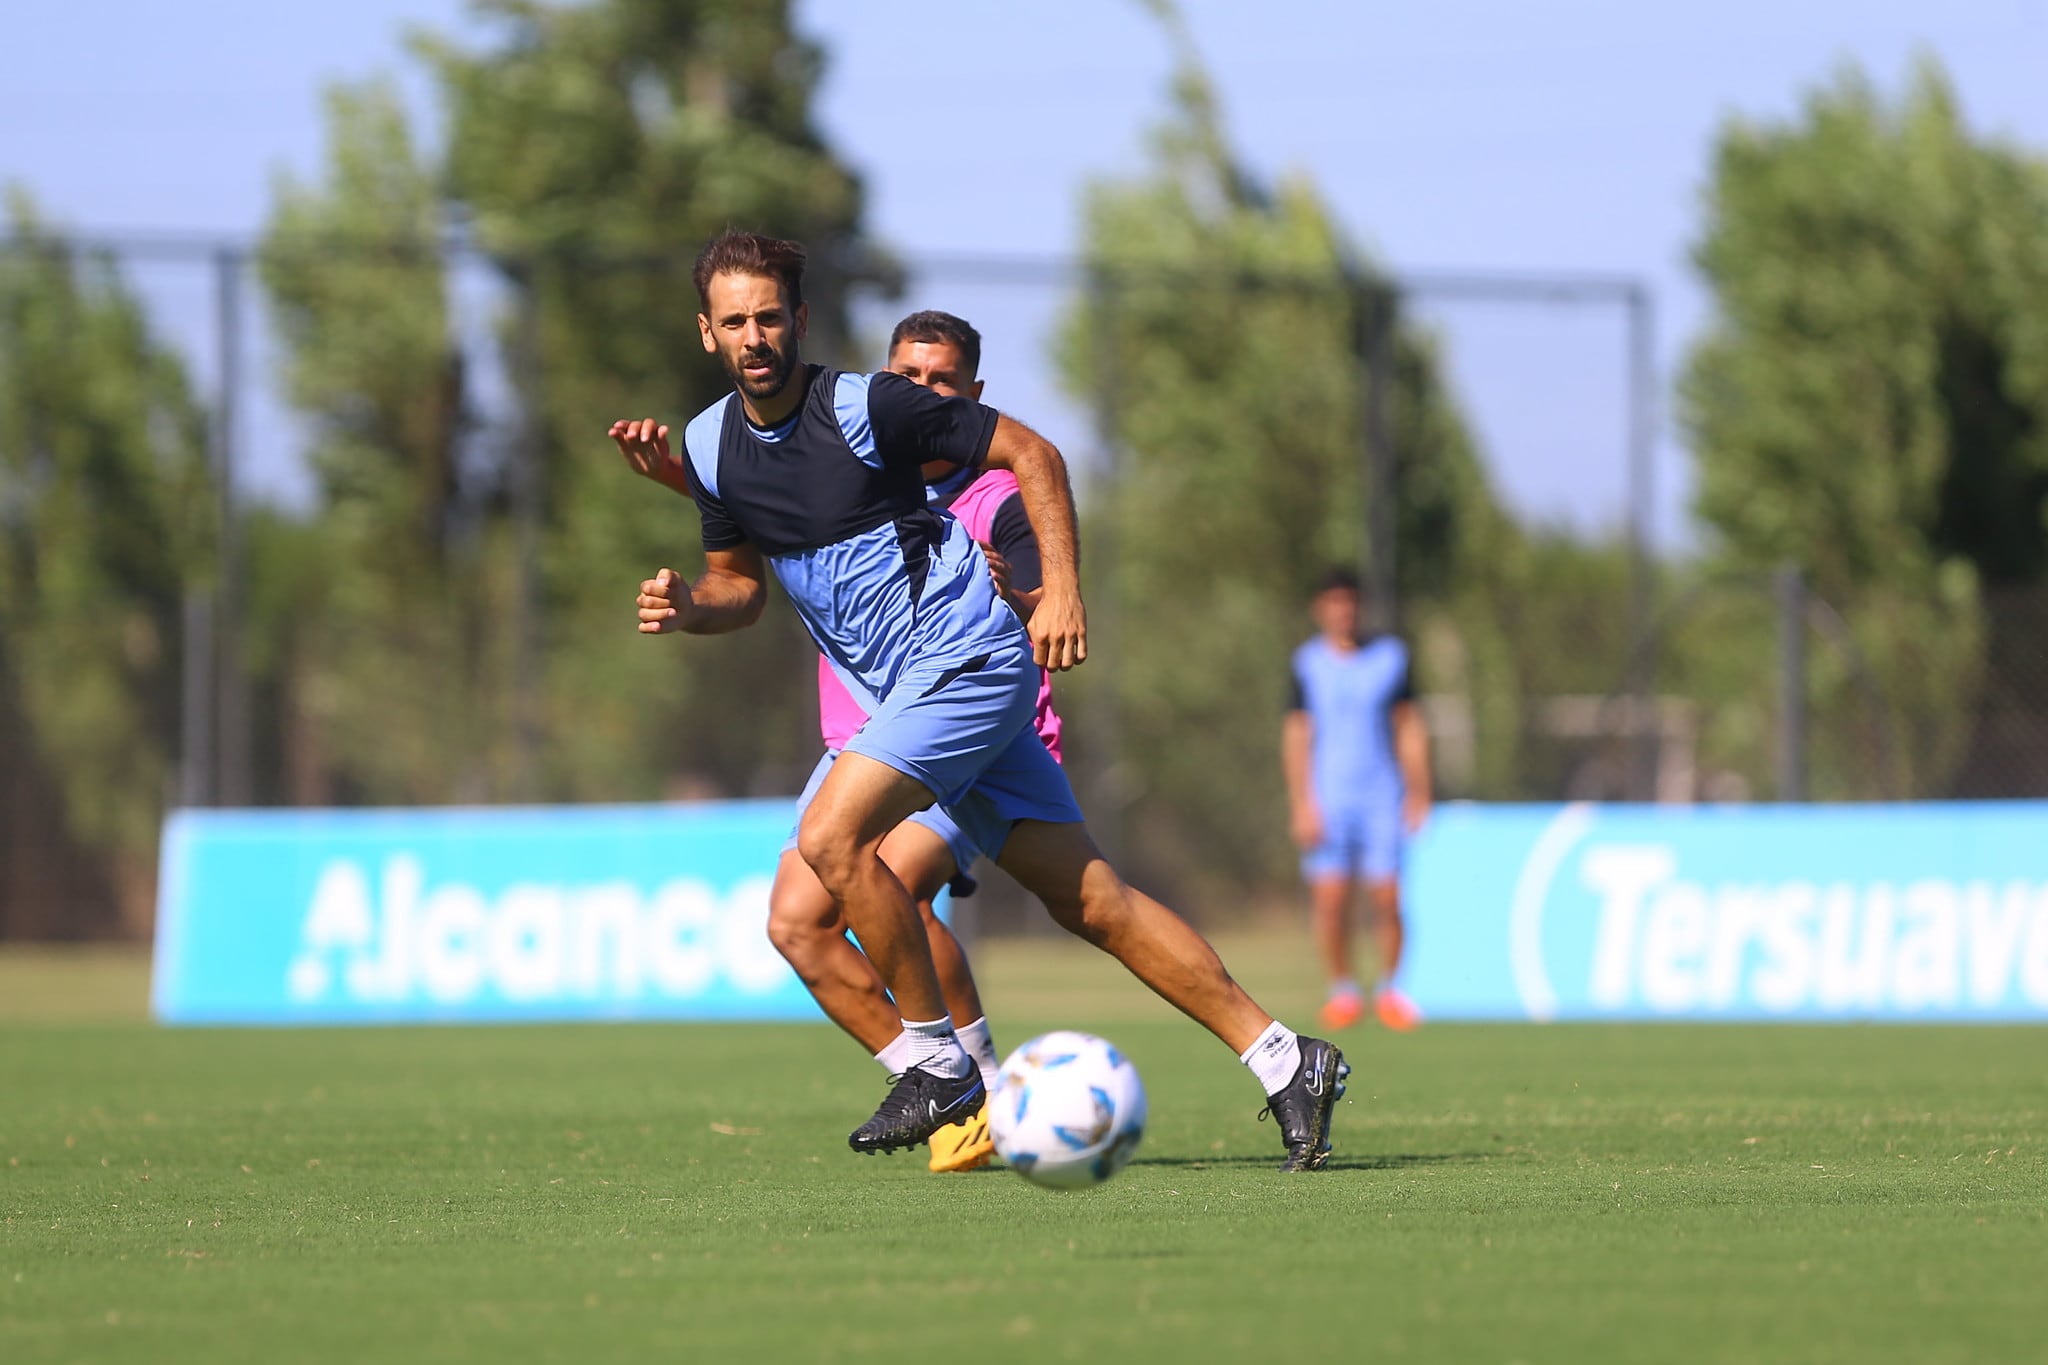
(1396, 1011)
(1343, 1009)
(963, 1146)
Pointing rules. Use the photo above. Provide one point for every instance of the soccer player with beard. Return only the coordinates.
(817, 475)
(927, 851)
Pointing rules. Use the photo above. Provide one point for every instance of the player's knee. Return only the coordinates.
(1384, 904)
(1094, 911)
(790, 931)
(830, 851)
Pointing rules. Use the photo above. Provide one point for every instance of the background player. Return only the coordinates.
(815, 475)
(1356, 753)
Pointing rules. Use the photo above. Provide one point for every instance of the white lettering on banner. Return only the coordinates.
(1676, 945)
(450, 951)
(1996, 919)
(534, 942)
(1621, 874)
(1674, 942)
(1780, 983)
(678, 937)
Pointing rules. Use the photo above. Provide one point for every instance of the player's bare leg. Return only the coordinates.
(857, 807)
(1329, 900)
(1059, 864)
(1383, 901)
(1303, 1077)
(860, 802)
(807, 929)
(924, 863)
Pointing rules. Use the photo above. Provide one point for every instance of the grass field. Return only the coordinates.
(1566, 1194)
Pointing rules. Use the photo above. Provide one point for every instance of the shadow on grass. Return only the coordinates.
(1340, 1161)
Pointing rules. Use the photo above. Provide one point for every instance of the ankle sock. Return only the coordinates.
(981, 1046)
(1274, 1057)
(934, 1047)
(895, 1058)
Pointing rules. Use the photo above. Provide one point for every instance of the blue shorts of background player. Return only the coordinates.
(1360, 843)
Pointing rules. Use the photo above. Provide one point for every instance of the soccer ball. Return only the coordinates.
(1067, 1111)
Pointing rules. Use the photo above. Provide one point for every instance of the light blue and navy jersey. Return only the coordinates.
(834, 498)
(1350, 697)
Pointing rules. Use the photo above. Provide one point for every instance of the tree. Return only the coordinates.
(104, 523)
(475, 636)
(1870, 401)
(1222, 346)
(408, 675)
(592, 151)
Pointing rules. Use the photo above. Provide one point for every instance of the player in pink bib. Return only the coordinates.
(927, 851)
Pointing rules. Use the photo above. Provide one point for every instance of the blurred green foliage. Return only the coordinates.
(1222, 346)
(104, 519)
(461, 317)
(474, 632)
(1871, 404)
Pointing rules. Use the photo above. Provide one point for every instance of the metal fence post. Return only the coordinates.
(1113, 776)
(1790, 585)
(1642, 565)
(1379, 304)
(527, 454)
(195, 710)
(232, 785)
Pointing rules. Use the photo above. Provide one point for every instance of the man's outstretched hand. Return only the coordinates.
(645, 445)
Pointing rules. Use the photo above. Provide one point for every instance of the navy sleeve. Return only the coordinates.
(1297, 695)
(1404, 688)
(914, 425)
(1010, 532)
(721, 532)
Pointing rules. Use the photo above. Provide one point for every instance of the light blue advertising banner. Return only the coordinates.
(1929, 912)
(611, 912)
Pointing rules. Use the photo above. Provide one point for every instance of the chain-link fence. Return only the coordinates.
(401, 572)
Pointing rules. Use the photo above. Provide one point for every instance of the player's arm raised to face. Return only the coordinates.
(728, 596)
(1059, 623)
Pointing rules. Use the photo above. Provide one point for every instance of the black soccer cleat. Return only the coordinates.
(918, 1104)
(1302, 1108)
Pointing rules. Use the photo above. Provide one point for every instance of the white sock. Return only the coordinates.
(981, 1046)
(895, 1058)
(935, 1048)
(1274, 1057)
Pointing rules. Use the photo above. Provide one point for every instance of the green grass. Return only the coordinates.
(1563, 1194)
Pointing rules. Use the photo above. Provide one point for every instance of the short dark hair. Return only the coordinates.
(931, 325)
(733, 252)
(1338, 577)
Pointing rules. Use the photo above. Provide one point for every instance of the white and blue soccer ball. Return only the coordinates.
(1068, 1110)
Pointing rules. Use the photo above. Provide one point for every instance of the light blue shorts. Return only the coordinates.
(965, 731)
(1363, 841)
(933, 818)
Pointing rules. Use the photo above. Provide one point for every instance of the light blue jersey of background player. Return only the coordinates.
(1356, 754)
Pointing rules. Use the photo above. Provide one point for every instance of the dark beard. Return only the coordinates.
(784, 366)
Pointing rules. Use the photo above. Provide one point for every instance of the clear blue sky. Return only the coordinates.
(1483, 135)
